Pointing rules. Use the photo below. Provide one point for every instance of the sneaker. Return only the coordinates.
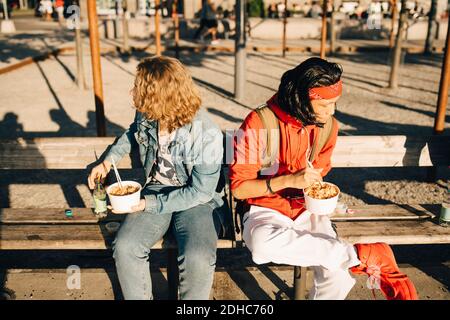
(378, 261)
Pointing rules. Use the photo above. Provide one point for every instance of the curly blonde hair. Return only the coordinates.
(164, 91)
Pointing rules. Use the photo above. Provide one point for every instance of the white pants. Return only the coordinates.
(308, 241)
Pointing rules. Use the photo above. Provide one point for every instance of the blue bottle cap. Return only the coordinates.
(68, 213)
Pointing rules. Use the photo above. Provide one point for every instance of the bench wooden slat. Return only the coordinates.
(388, 212)
(48, 237)
(53, 237)
(52, 216)
(391, 151)
(54, 153)
(350, 151)
(62, 237)
(393, 232)
(86, 215)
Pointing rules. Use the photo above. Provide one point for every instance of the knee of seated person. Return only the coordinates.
(260, 249)
(260, 240)
(125, 246)
(200, 257)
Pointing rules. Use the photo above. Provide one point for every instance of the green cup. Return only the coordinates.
(445, 212)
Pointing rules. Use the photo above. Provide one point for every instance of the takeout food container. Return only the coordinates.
(125, 202)
(321, 206)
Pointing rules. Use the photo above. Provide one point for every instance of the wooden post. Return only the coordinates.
(157, 31)
(332, 29)
(394, 14)
(96, 67)
(397, 52)
(439, 120)
(176, 24)
(323, 42)
(284, 28)
(431, 32)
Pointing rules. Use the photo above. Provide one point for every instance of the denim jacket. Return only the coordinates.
(197, 152)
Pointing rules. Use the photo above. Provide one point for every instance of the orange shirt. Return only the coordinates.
(291, 157)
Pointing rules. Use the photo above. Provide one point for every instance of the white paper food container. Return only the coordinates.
(124, 203)
(322, 206)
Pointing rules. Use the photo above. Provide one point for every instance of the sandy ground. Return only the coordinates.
(41, 276)
(95, 284)
(42, 99)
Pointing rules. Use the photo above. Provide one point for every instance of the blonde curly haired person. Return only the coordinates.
(181, 153)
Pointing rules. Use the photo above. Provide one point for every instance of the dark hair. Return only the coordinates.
(293, 92)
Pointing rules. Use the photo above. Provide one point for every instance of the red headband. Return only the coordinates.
(329, 92)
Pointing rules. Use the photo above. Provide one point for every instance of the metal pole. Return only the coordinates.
(240, 54)
(393, 19)
(323, 42)
(96, 67)
(157, 31)
(125, 18)
(81, 81)
(5, 10)
(439, 120)
(300, 282)
(116, 19)
(176, 23)
(431, 32)
(396, 54)
(284, 28)
(172, 273)
(332, 29)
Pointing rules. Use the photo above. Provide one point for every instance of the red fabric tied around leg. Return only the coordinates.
(379, 256)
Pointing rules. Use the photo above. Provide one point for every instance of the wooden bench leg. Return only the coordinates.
(172, 273)
(300, 283)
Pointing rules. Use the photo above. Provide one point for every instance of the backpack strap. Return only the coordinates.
(323, 137)
(270, 123)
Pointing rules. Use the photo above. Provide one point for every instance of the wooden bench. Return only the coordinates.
(39, 228)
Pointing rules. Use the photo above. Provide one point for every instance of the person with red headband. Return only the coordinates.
(276, 226)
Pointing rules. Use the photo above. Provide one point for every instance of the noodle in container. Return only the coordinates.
(122, 199)
(321, 198)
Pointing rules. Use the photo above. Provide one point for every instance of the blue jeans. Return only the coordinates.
(195, 231)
